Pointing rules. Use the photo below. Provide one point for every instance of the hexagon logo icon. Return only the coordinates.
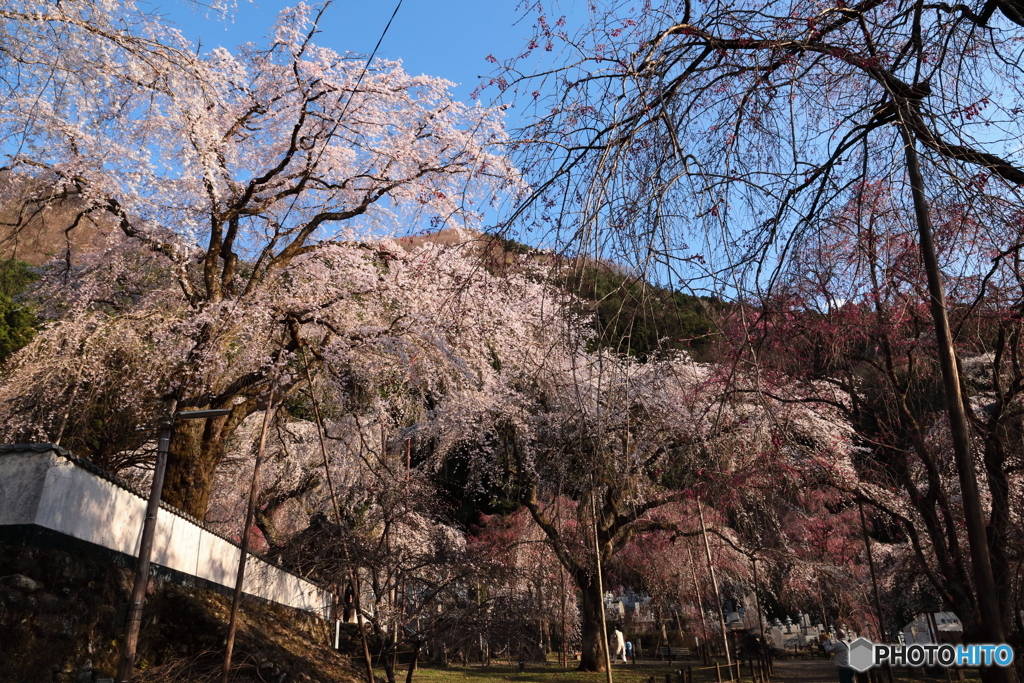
(862, 654)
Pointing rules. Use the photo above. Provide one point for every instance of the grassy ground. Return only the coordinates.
(549, 672)
(505, 672)
(552, 673)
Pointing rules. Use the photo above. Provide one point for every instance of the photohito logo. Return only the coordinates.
(864, 654)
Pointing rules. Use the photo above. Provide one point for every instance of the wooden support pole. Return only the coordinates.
(700, 607)
(134, 620)
(236, 596)
(563, 655)
(974, 516)
(600, 588)
(714, 583)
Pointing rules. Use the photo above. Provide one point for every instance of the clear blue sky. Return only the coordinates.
(446, 38)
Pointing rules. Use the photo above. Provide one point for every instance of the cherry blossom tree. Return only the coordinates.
(234, 176)
(602, 450)
(386, 332)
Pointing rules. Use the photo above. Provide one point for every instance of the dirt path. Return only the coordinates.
(813, 671)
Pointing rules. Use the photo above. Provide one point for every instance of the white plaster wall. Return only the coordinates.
(52, 492)
(82, 505)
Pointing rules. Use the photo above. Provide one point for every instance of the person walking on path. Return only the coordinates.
(620, 645)
(841, 649)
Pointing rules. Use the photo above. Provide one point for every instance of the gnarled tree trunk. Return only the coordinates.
(196, 449)
(592, 652)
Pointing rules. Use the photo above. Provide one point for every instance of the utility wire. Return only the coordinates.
(362, 73)
(344, 111)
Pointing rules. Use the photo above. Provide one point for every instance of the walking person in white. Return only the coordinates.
(620, 645)
(841, 649)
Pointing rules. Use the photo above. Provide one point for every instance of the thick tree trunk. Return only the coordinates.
(1000, 524)
(592, 652)
(197, 447)
(190, 468)
(415, 658)
(440, 652)
(389, 664)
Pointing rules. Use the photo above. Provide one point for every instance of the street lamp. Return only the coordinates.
(134, 621)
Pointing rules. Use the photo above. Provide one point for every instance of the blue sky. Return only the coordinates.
(446, 38)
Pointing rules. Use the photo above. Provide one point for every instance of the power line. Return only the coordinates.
(344, 111)
(359, 80)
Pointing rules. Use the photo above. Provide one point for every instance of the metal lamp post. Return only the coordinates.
(134, 621)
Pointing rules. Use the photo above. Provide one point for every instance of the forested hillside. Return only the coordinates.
(640, 319)
(629, 315)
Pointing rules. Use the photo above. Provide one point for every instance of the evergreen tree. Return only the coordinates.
(17, 321)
